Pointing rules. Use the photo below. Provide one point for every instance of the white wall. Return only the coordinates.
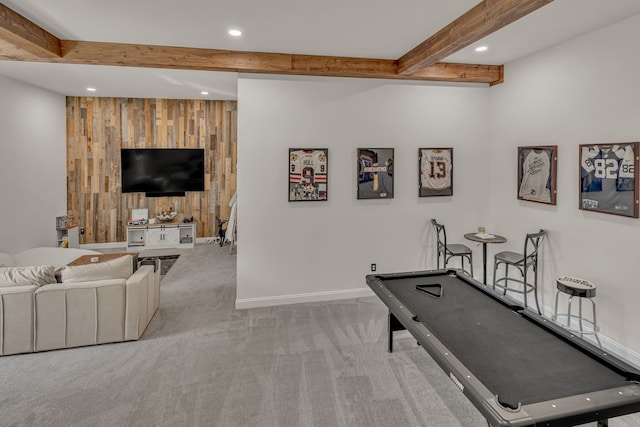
(32, 165)
(581, 92)
(306, 251)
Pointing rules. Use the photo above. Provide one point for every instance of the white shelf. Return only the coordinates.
(67, 237)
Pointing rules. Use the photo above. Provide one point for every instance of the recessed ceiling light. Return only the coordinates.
(481, 48)
(204, 92)
(235, 33)
(91, 89)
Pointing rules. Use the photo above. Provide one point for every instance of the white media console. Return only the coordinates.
(162, 235)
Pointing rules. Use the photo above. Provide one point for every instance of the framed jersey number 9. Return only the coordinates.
(308, 179)
(609, 178)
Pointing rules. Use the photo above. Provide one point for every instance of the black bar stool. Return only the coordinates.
(524, 261)
(449, 251)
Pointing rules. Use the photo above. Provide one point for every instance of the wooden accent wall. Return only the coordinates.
(97, 128)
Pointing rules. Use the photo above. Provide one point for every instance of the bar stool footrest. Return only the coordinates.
(592, 328)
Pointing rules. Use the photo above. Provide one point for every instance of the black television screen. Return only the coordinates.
(162, 171)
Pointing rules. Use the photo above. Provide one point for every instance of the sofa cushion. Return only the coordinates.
(23, 276)
(6, 260)
(119, 268)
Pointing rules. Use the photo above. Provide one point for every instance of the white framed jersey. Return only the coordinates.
(435, 172)
(537, 173)
(308, 171)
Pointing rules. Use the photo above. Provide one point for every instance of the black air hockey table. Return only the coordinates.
(518, 368)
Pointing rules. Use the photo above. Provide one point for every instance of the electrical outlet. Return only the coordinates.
(373, 267)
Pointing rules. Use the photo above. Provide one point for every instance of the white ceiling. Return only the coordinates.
(357, 28)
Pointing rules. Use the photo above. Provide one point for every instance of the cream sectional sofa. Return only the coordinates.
(94, 304)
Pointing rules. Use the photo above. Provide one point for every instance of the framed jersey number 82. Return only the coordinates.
(609, 178)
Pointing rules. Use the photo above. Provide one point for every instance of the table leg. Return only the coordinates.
(484, 263)
(390, 336)
(393, 324)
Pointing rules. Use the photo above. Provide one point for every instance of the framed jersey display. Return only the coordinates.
(609, 178)
(308, 168)
(375, 173)
(436, 172)
(537, 173)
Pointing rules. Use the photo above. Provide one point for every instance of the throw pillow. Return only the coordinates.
(119, 268)
(23, 276)
(6, 260)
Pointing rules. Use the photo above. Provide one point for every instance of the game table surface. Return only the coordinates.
(518, 368)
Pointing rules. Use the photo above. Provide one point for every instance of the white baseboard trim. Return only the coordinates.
(608, 344)
(111, 245)
(208, 240)
(302, 298)
(619, 350)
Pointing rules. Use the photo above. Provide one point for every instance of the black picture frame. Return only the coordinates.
(375, 173)
(435, 172)
(608, 178)
(308, 174)
(537, 173)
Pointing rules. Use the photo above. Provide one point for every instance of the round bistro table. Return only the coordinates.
(474, 237)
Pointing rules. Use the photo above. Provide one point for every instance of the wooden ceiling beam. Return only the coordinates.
(480, 21)
(26, 36)
(130, 55)
(22, 40)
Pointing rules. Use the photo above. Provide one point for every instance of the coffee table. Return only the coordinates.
(86, 259)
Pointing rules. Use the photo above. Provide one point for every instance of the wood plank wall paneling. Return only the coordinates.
(97, 128)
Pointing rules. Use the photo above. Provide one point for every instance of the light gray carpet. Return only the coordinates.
(203, 363)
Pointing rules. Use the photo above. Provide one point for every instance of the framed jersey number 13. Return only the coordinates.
(609, 178)
(435, 172)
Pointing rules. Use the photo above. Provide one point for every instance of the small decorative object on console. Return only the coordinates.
(136, 221)
(165, 217)
(138, 217)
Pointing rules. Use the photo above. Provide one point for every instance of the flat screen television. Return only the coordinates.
(162, 171)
